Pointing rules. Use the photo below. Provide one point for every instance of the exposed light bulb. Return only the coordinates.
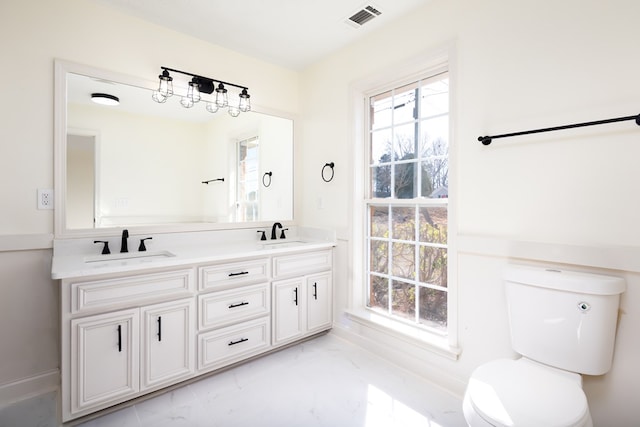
(194, 91)
(222, 100)
(234, 111)
(165, 88)
(245, 104)
(212, 107)
(158, 97)
(186, 102)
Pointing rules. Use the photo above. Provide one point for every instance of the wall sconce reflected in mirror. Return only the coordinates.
(328, 165)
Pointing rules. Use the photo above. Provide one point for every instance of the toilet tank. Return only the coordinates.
(561, 318)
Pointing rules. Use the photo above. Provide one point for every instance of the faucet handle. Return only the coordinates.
(105, 249)
(142, 247)
(264, 237)
(282, 236)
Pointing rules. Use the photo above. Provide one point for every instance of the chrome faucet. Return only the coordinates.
(273, 230)
(123, 245)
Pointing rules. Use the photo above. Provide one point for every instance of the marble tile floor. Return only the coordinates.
(325, 382)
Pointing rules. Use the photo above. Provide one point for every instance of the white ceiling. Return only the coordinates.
(289, 33)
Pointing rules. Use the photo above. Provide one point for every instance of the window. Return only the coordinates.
(247, 173)
(406, 203)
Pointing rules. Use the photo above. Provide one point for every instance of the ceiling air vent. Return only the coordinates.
(363, 16)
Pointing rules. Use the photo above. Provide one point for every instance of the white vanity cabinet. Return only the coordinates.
(119, 341)
(129, 333)
(168, 343)
(234, 307)
(302, 305)
(104, 352)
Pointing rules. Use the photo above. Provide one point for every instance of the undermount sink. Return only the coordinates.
(283, 244)
(142, 256)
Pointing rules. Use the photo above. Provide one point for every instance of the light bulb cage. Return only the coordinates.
(199, 85)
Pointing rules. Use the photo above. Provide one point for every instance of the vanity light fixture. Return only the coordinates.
(203, 85)
(105, 99)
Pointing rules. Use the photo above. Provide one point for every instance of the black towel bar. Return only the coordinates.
(486, 140)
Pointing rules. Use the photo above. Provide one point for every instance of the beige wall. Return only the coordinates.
(144, 162)
(515, 65)
(32, 35)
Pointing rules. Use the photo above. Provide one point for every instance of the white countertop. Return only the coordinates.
(82, 258)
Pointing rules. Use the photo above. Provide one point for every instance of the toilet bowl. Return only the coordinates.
(524, 393)
(562, 324)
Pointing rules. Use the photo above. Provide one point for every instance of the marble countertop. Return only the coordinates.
(81, 259)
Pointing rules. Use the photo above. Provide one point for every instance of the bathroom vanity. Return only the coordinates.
(135, 323)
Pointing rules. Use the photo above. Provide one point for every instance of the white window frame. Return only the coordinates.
(432, 64)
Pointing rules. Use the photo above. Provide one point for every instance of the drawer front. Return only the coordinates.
(231, 344)
(233, 305)
(233, 274)
(294, 265)
(131, 289)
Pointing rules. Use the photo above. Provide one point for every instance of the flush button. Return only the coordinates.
(584, 306)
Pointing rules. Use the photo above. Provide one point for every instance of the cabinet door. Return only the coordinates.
(104, 364)
(287, 310)
(168, 352)
(319, 302)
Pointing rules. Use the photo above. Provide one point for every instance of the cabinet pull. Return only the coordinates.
(240, 304)
(295, 296)
(120, 338)
(239, 341)
(238, 274)
(159, 328)
(315, 290)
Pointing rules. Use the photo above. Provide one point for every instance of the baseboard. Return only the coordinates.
(383, 348)
(25, 388)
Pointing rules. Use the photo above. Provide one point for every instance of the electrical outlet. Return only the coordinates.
(45, 199)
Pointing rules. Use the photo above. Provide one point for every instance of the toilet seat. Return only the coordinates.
(522, 393)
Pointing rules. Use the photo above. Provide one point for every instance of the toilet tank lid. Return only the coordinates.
(571, 281)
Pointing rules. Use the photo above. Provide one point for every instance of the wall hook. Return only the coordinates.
(330, 165)
(264, 182)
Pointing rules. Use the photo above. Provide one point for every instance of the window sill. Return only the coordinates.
(417, 337)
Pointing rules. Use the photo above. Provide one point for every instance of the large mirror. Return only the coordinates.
(144, 164)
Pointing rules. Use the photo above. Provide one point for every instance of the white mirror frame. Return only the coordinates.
(61, 68)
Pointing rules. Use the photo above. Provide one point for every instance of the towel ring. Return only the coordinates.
(331, 165)
(264, 178)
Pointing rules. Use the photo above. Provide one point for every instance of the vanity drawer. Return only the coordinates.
(131, 290)
(233, 305)
(226, 275)
(231, 344)
(301, 264)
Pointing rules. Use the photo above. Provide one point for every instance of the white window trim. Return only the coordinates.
(429, 63)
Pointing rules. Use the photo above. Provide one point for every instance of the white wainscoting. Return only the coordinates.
(28, 318)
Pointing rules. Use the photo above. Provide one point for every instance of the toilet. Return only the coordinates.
(563, 324)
